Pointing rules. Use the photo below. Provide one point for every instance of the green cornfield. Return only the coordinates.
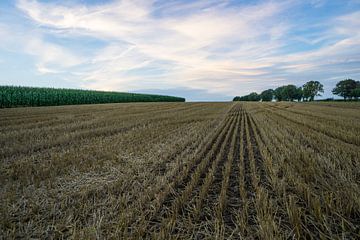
(14, 96)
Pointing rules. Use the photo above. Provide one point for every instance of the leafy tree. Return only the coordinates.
(345, 88)
(267, 95)
(312, 89)
(356, 92)
(286, 93)
(290, 92)
(250, 97)
(299, 94)
(254, 96)
(278, 93)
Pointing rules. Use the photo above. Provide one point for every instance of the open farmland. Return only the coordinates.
(181, 170)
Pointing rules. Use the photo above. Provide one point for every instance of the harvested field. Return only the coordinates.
(181, 170)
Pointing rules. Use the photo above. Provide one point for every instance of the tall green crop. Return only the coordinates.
(12, 96)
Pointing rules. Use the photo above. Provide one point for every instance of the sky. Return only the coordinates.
(202, 50)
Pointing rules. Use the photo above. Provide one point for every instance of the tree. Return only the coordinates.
(289, 92)
(286, 93)
(267, 95)
(299, 94)
(250, 97)
(312, 89)
(356, 92)
(254, 97)
(278, 93)
(345, 88)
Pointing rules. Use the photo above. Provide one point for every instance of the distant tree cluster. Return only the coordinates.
(348, 89)
(286, 93)
(250, 97)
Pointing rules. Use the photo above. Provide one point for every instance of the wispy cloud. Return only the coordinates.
(221, 47)
(48, 55)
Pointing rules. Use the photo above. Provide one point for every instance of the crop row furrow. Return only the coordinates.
(340, 135)
(259, 161)
(310, 140)
(47, 137)
(170, 217)
(174, 206)
(207, 181)
(301, 197)
(233, 198)
(320, 116)
(250, 184)
(195, 213)
(150, 219)
(214, 199)
(273, 187)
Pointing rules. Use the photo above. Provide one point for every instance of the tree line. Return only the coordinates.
(12, 96)
(348, 89)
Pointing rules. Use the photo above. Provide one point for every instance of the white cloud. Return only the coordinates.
(45, 70)
(51, 53)
(51, 58)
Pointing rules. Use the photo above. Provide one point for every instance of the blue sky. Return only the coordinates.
(201, 50)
